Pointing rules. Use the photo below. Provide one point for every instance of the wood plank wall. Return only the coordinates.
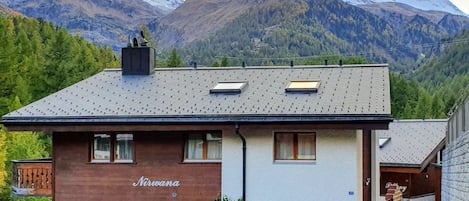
(158, 157)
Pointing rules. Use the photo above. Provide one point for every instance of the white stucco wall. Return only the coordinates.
(333, 176)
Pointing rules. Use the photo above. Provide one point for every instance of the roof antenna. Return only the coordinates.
(129, 42)
(144, 41)
(135, 42)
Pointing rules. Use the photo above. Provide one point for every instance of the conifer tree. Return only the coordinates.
(174, 59)
(224, 62)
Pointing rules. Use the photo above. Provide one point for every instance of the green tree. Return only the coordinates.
(215, 64)
(408, 112)
(438, 107)
(174, 59)
(423, 108)
(224, 62)
(3, 158)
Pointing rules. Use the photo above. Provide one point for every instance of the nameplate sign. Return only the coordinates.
(143, 181)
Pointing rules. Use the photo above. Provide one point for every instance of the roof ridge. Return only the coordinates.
(261, 67)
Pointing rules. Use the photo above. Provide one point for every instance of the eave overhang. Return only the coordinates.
(400, 165)
(26, 123)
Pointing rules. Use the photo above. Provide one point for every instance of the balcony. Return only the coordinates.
(32, 177)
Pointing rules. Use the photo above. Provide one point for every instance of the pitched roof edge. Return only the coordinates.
(432, 154)
(405, 165)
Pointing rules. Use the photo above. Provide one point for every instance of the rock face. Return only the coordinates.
(166, 5)
(104, 22)
(427, 5)
(5, 11)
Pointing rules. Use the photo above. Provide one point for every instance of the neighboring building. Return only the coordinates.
(177, 134)
(455, 181)
(409, 155)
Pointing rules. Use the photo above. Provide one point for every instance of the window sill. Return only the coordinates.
(200, 161)
(110, 163)
(312, 162)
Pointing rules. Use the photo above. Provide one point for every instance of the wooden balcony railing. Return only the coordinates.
(32, 177)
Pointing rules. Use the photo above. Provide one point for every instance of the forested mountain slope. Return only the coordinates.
(433, 90)
(428, 5)
(448, 75)
(306, 28)
(36, 59)
(399, 15)
(106, 23)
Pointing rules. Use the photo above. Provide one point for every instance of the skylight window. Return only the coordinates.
(303, 86)
(228, 87)
(383, 141)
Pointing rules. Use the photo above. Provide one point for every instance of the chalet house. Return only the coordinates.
(410, 153)
(455, 174)
(253, 133)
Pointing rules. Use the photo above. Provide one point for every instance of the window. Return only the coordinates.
(383, 141)
(228, 87)
(295, 146)
(112, 148)
(302, 86)
(206, 146)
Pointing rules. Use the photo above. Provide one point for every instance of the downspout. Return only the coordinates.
(244, 159)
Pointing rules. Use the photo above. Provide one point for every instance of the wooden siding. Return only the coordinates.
(158, 156)
(417, 184)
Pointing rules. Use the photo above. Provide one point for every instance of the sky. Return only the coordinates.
(463, 5)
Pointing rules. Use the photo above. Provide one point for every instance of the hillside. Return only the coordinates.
(269, 28)
(428, 5)
(165, 5)
(106, 23)
(399, 14)
(452, 64)
(5, 11)
(198, 19)
(433, 90)
(37, 59)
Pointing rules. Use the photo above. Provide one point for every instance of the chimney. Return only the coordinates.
(138, 61)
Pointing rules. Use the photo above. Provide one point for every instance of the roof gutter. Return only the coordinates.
(243, 139)
(194, 119)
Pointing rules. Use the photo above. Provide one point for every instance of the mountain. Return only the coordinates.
(5, 11)
(105, 22)
(210, 29)
(447, 75)
(394, 33)
(400, 14)
(197, 19)
(453, 63)
(165, 5)
(427, 5)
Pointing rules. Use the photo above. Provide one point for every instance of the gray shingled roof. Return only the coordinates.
(182, 94)
(412, 141)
